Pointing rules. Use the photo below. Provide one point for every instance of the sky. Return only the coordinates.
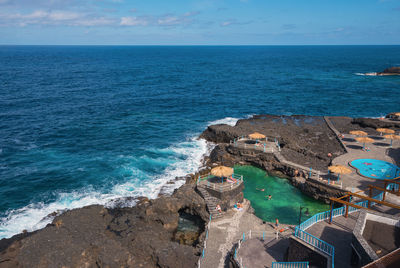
(199, 22)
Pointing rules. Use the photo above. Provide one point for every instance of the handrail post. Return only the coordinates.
(331, 215)
(384, 192)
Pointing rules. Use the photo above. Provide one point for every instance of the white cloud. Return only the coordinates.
(226, 23)
(100, 21)
(168, 21)
(41, 17)
(63, 15)
(165, 20)
(233, 22)
(133, 21)
(83, 17)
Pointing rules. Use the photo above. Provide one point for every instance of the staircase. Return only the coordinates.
(211, 202)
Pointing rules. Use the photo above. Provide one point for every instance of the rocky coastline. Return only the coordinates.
(147, 235)
(390, 71)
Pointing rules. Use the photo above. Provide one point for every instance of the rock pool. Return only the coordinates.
(286, 199)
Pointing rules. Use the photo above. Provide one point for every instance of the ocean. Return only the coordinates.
(83, 125)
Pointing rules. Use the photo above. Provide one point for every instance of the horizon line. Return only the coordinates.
(155, 45)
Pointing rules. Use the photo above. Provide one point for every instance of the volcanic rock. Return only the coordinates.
(390, 71)
(305, 140)
(96, 236)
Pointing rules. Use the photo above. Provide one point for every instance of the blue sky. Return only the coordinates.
(199, 22)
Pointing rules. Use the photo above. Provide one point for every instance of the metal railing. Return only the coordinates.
(315, 241)
(297, 264)
(205, 245)
(322, 216)
(265, 146)
(220, 187)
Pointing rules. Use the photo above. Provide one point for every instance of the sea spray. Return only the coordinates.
(180, 159)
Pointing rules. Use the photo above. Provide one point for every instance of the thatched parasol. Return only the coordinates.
(358, 133)
(392, 137)
(339, 169)
(397, 114)
(385, 130)
(364, 140)
(222, 171)
(256, 136)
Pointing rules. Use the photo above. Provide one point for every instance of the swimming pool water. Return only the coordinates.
(286, 199)
(376, 169)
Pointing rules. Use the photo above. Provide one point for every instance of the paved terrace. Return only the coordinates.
(377, 150)
(225, 232)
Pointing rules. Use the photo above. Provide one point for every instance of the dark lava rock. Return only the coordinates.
(96, 236)
(369, 125)
(393, 116)
(305, 140)
(390, 71)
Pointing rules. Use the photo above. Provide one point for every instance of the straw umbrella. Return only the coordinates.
(358, 133)
(364, 140)
(256, 136)
(339, 169)
(222, 171)
(392, 137)
(385, 130)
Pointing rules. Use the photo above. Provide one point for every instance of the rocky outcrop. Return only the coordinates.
(393, 116)
(306, 140)
(375, 123)
(390, 71)
(369, 125)
(96, 236)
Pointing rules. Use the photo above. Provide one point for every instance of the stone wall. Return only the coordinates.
(299, 251)
(228, 198)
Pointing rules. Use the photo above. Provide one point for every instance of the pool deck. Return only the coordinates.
(378, 150)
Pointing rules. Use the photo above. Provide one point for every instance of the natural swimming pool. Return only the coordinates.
(376, 169)
(286, 199)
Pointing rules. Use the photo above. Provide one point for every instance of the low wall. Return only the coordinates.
(300, 251)
(228, 198)
(316, 189)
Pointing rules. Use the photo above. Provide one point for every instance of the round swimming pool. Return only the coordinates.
(376, 169)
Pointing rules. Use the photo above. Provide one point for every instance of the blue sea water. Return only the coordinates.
(83, 125)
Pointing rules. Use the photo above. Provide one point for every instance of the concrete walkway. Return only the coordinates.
(258, 253)
(225, 232)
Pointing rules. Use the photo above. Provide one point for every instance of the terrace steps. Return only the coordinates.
(211, 202)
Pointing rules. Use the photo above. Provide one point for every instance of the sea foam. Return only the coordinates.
(186, 158)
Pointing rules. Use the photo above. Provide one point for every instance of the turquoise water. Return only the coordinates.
(286, 199)
(376, 169)
(83, 125)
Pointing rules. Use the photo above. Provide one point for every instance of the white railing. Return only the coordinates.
(263, 235)
(220, 187)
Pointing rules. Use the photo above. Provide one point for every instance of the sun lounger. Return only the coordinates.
(231, 180)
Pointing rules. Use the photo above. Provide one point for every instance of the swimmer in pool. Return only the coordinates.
(262, 190)
(269, 197)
